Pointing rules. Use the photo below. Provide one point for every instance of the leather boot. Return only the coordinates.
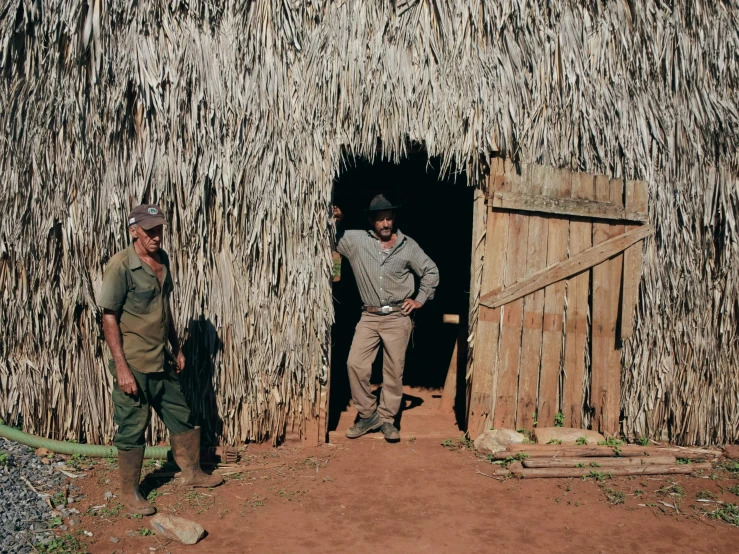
(186, 452)
(129, 470)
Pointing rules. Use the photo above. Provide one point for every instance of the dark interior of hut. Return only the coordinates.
(437, 212)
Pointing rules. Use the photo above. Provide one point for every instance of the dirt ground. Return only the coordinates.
(415, 496)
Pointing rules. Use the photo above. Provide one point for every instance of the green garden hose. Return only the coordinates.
(71, 448)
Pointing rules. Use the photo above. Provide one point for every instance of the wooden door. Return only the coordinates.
(560, 276)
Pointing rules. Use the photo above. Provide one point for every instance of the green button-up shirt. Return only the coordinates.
(131, 288)
(385, 278)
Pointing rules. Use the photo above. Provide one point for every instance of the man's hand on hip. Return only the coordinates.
(180, 362)
(126, 381)
(409, 305)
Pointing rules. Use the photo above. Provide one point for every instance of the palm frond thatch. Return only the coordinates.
(233, 115)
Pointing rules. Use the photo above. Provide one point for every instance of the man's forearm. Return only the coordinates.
(112, 332)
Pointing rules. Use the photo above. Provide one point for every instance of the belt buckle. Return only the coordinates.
(386, 309)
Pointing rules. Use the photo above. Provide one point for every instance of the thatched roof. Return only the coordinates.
(233, 116)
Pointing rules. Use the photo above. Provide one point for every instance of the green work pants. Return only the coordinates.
(132, 414)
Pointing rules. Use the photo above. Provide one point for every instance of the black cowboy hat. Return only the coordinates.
(380, 203)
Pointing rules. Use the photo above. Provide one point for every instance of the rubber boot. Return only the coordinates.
(186, 452)
(129, 470)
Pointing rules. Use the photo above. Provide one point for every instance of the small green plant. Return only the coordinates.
(638, 492)
(412, 439)
(682, 461)
(522, 431)
(581, 464)
(594, 464)
(153, 495)
(64, 544)
(706, 495)
(599, 476)
(611, 441)
(728, 513)
(144, 532)
(643, 441)
(448, 443)
(613, 496)
(734, 490)
(534, 417)
(54, 522)
(581, 441)
(559, 419)
(555, 441)
(730, 465)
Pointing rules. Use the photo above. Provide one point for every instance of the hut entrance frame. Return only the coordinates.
(558, 292)
(436, 211)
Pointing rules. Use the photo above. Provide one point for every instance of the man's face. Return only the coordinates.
(382, 223)
(150, 240)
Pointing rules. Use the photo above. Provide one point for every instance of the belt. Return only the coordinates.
(382, 310)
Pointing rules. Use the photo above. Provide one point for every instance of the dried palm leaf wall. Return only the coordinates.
(232, 115)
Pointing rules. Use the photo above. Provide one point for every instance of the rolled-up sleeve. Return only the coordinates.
(114, 289)
(344, 244)
(428, 273)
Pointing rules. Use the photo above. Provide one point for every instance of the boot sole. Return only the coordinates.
(368, 430)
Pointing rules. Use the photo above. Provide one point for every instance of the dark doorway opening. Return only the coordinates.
(437, 213)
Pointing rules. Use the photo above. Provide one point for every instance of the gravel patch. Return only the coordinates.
(25, 483)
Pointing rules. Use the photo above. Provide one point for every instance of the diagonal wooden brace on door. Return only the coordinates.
(566, 269)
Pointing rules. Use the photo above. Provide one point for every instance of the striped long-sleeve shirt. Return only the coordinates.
(386, 278)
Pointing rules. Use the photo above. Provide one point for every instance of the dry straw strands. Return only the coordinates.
(233, 116)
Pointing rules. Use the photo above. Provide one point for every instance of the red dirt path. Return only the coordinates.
(415, 496)
(370, 496)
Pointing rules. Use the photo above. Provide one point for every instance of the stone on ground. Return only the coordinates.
(731, 451)
(177, 528)
(544, 435)
(496, 440)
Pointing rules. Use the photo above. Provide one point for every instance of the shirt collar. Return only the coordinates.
(134, 262)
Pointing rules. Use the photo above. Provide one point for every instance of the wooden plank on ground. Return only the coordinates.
(614, 471)
(576, 332)
(557, 185)
(568, 268)
(606, 358)
(533, 308)
(488, 325)
(624, 450)
(595, 462)
(544, 204)
(511, 314)
(636, 199)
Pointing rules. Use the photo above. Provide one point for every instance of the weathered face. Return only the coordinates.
(382, 223)
(150, 240)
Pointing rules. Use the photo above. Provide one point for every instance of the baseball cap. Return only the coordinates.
(147, 216)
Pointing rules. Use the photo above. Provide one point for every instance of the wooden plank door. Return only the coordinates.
(557, 298)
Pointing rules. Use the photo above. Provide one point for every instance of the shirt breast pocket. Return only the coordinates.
(141, 301)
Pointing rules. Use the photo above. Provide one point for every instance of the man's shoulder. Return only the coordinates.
(353, 235)
(408, 240)
(118, 259)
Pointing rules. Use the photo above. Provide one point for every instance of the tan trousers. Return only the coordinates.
(394, 332)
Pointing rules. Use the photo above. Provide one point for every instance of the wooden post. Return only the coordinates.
(557, 185)
(512, 262)
(484, 378)
(606, 358)
(449, 394)
(578, 287)
(533, 307)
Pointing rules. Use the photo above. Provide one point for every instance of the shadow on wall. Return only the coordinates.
(201, 348)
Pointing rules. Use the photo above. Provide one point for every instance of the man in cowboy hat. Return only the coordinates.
(383, 260)
(137, 323)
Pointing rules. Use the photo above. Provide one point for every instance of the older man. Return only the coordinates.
(383, 260)
(137, 323)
